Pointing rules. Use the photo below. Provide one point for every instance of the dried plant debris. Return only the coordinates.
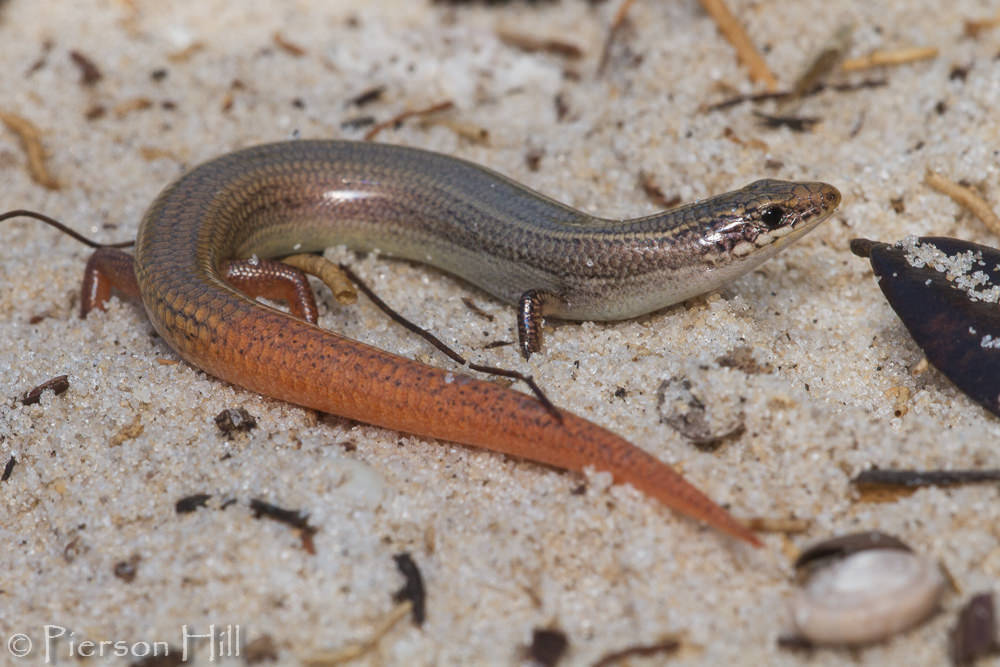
(684, 412)
(190, 503)
(294, 518)
(56, 385)
(89, 72)
(8, 469)
(877, 478)
(399, 118)
(288, 46)
(967, 198)
(373, 94)
(741, 358)
(660, 648)
(975, 634)
(821, 66)
(548, 645)
(793, 123)
(863, 588)
(733, 31)
(235, 420)
(883, 58)
(654, 192)
(534, 43)
(413, 590)
(973, 27)
(126, 570)
(31, 139)
(946, 291)
(764, 97)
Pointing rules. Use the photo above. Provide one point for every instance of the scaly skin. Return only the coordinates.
(300, 196)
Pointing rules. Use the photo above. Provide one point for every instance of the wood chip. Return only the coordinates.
(126, 107)
(129, 432)
(189, 504)
(89, 72)
(288, 47)
(57, 385)
(733, 31)
(972, 27)
(534, 44)
(31, 140)
(883, 58)
(150, 153)
(966, 198)
(789, 526)
(373, 94)
(185, 54)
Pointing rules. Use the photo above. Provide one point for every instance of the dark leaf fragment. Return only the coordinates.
(413, 589)
(188, 504)
(975, 634)
(959, 334)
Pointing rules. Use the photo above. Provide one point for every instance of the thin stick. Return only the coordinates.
(447, 351)
(966, 198)
(733, 31)
(328, 272)
(881, 58)
(400, 117)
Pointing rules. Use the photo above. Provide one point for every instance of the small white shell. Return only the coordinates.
(867, 596)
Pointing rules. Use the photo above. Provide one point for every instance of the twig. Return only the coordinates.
(737, 36)
(820, 67)
(329, 273)
(399, 118)
(30, 137)
(447, 351)
(881, 58)
(973, 27)
(763, 97)
(966, 198)
(532, 43)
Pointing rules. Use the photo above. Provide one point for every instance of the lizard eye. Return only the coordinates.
(772, 216)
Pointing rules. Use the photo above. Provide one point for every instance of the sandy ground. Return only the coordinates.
(504, 546)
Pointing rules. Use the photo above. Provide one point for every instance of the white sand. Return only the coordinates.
(504, 546)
